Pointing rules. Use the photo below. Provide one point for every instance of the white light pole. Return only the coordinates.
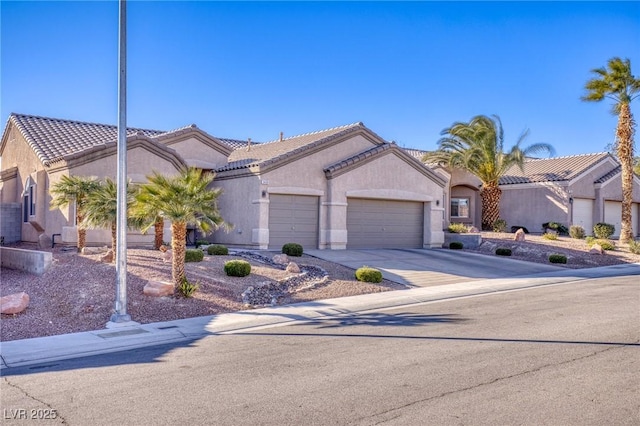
(120, 314)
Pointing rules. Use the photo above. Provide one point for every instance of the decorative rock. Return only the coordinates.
(163, 248)
(596, 249)
(167, 256)
(158, 289)
(14, 303)
(473, 230)
(44, 241)
(94, 250)
(519, 236)
(281, 259)
(108, 257)
(293, 268)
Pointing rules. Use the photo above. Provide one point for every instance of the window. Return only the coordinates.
(459, 207)
(28, 200)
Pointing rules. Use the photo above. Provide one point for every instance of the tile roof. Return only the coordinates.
(610, 175)
(552, 169)
(236, 143)
(358, 157)
(415, 153)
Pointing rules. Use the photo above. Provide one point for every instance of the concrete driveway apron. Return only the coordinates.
(428, 267)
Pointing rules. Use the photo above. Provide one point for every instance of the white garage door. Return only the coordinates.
(583, 214)
(384, 223)
(613, 215)
(293, 219)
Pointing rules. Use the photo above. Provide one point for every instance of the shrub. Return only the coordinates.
(500, 225)
(292, 249)
(237, 268)
(186, 288)
(369, 275)
(193, 255)
(577, 232)
(218, 250)
(634, 247)
(514, 229)
(603, 230)
(605, 244)
(558, 258)
(558, 227)
(550, 236)
(202, 243)
(501, 251)
(456, 245)
(458, 228)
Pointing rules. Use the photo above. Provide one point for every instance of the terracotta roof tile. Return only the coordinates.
(613, 173)
(552, 169)
(358, 157)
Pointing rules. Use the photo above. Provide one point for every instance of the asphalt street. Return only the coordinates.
(566, 354)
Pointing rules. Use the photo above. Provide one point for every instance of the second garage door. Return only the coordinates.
(293, 219)
(384, 224)
(613, 215)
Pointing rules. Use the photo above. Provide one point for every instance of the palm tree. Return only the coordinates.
(74, 189)
(102, 208)
(618, 84)
(182, 199)
(478, 147)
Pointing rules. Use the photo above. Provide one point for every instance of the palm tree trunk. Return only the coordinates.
(490, 195)
(179, 246)
(82, 233)
(159, 232)
(114, 236)
(624, 134)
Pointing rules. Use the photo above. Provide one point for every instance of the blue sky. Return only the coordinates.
(244, 69)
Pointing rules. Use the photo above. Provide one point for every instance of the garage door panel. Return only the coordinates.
(583, 214)
(613, 215)
(384, 223)
(293, 219)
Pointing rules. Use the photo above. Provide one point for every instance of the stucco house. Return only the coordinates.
(344, 187)
(572, 190)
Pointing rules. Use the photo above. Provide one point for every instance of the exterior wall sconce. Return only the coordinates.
(264, 194)
(437, 202)
(570, 200)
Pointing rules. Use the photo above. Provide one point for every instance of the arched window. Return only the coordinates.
(29, 199)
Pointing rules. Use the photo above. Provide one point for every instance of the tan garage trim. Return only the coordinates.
(373, 223)
(293, 219)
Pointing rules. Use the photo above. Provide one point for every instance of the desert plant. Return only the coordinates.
(456, 245)
(602, 242)
(550, 236)
(218, 250)
(634, 247)
(603, 230)
(201, 243)
(500, 225)
(369, 275)
(292, 249)
(555, 226)
(557, 258)
(186, 288)
(501, 251)
(193, 255)
(457, 228)
(514, 229)
(577, 232)
(237, 268)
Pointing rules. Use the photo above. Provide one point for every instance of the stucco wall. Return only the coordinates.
(532, 205)
(583, 186)
(239, 205)
(192, 148)
(475, 207)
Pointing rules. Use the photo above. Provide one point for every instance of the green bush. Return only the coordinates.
(237, 268)
(458, 228)
(186, 288)
(603, 230)
(558, 258)
(202, 243)
(604, 243)
(193, 255)
(558, 227)
(369, 275)
(218, 250)
(634, 247)
(500, 225)
(577, 232)
(292, 249)
(456, 245)
(550, 236)
(500, 251)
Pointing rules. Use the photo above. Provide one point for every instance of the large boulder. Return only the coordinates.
(167, 255)
(14, 303)
(108, 257)
(281, 259)
(94, 250)
(44, 241)
(519, 235)
(596, 249)
(158, 289)
(293, 268)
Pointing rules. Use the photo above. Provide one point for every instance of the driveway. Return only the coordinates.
(428, 267)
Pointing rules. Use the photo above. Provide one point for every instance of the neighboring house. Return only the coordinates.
(36, 151)
(573, 190)
(339, 188)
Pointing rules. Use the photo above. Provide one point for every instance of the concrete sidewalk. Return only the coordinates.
(46, 349)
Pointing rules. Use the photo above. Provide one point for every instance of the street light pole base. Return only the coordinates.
(119, 320)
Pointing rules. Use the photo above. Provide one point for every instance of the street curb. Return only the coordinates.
(18, 353)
